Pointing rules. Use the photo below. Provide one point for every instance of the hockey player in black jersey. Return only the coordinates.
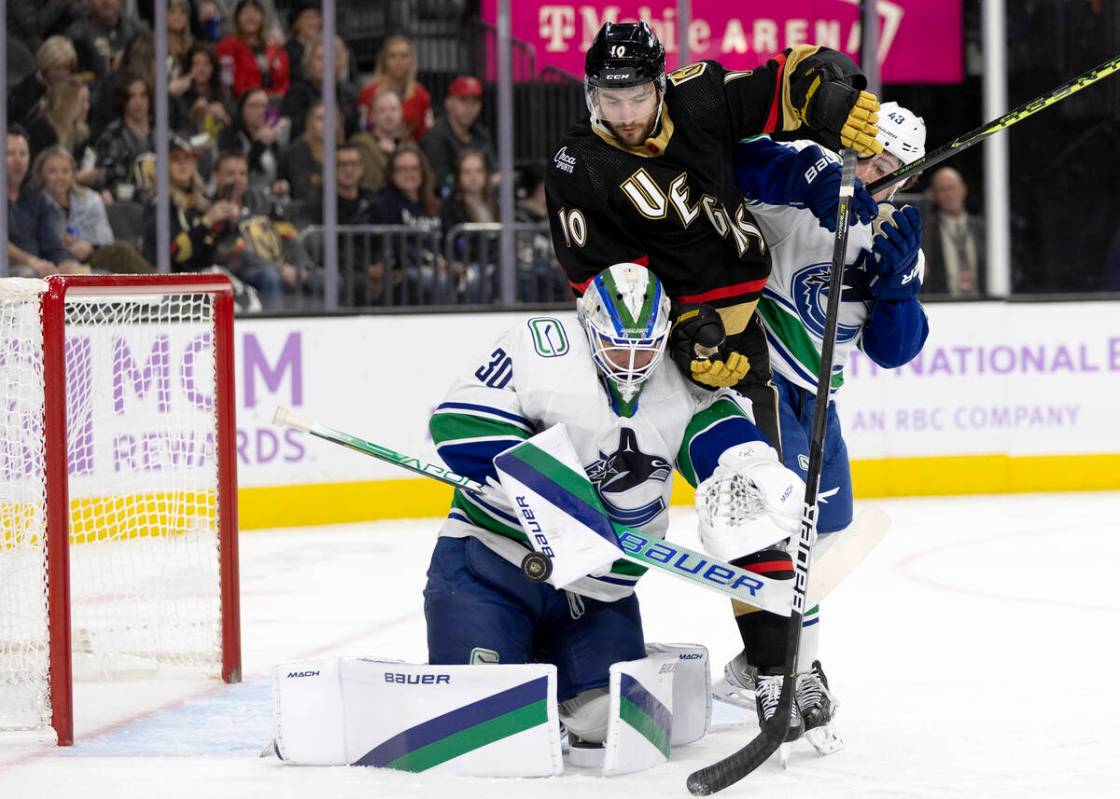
(649, 179)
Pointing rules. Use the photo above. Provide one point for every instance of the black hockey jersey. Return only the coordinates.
(674, 204)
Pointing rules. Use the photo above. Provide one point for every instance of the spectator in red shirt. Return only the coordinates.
(256, 64)
(396, 70)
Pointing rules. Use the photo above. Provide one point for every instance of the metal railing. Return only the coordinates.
(402, 266)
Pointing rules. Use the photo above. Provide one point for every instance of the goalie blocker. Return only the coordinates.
(484, 721)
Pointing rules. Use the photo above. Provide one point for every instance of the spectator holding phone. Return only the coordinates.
(261, 135)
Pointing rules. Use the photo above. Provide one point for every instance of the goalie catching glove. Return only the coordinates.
(695, 345)
(826, 90)
(750, 502)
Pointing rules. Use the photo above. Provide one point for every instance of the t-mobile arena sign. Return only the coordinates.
(919, 40)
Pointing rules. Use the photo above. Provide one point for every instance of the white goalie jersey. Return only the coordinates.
(539, 374)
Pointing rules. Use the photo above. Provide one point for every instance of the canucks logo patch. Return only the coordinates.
(809, 288)
(621, 476)
(549, 338)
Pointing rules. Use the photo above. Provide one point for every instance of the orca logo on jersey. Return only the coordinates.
(563, 161)
(809, 288)
(624, 469)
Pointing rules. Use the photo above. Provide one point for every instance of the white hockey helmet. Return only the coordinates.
(625, 313)
(902, 132)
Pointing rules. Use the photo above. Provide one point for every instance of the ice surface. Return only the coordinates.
(972, 655)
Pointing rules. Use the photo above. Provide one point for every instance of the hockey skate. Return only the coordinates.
(767, 692)
(818, 708)
(736, 687)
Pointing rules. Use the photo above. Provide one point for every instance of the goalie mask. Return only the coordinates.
(625, 313)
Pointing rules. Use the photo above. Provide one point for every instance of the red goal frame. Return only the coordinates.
(53, 309)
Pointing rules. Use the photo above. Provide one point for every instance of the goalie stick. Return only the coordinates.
(1002, 123)
(772, 734)
(752, 589)
(635, 546)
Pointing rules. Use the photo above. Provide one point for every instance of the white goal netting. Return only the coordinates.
(142, 481)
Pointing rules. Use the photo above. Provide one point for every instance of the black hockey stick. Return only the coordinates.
(1007, 120)
(739, 764)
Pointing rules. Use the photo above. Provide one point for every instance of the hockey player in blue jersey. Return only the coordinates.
(631, 418)
(880, 313)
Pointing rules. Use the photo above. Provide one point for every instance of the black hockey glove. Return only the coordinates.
(695, 343)
(826, 88)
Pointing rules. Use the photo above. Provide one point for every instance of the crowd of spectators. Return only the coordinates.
(246, 158)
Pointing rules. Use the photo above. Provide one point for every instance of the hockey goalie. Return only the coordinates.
(593, 419)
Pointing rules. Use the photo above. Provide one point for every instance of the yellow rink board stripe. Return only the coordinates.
(334, 503)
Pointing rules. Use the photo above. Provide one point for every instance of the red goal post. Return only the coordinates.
(117, 485)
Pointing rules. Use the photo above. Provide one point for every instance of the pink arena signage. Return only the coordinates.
(919, 40)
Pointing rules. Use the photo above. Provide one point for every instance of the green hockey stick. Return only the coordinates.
(1007, 120)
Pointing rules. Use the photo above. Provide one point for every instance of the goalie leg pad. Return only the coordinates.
(640, 729)
(495, 721)
(692, 690)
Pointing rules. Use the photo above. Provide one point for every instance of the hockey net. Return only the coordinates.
(118, 548)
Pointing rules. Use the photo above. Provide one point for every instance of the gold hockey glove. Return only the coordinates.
(827, 93)
(721, 374)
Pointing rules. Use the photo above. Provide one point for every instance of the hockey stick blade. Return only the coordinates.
(730, 770)
(739, 764)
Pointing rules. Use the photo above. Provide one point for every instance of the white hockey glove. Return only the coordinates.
(749, 503)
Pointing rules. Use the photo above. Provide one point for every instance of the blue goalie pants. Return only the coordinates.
(796, 406)
(481, 609)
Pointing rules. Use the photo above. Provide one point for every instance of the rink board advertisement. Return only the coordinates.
(1005, 397)
(919, 40)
